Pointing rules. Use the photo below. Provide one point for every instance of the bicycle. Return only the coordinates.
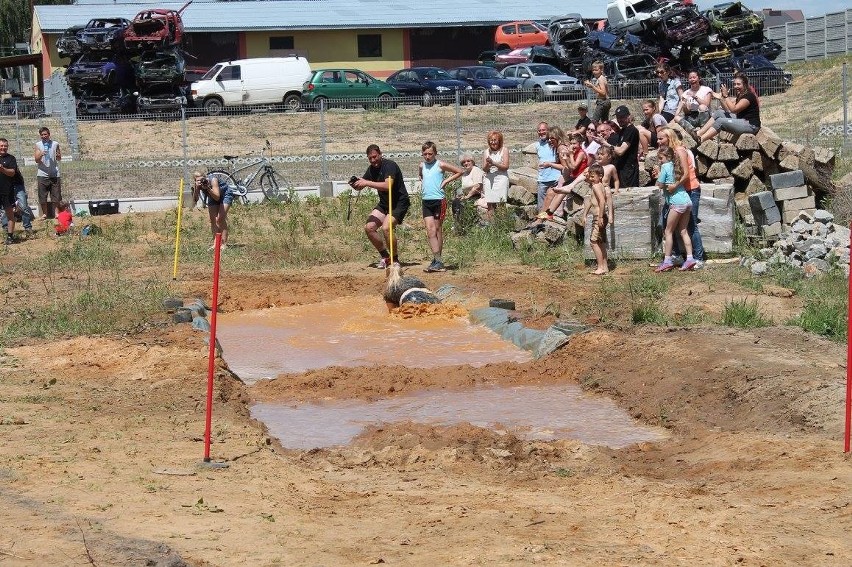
(273, 185)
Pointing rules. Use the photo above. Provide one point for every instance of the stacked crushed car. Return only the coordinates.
(119, 66)
(638, 33)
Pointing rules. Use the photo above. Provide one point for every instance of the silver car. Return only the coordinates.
(545, 81)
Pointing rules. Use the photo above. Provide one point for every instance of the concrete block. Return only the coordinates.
(800, 204)
(770, 216)
(786, 179)
(633, 235)
(773, 229)
(526, 177)
(717, 170)
(761, 201)
(747, 142)
(709, 149)
(718, 190)
(755, 185)
(769, 141)
(717, 221)
(789, 193)
(702, 164)
(789, 217)
(520, 195)
(727, 152)
(789, 163)
(743, 170)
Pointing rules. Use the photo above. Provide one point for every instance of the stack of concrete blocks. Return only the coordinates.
(750, 163)
(633, 234)
(716, 217)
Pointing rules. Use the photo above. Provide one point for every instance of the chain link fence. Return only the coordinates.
(146, 155)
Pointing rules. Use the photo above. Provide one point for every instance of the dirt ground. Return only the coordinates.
(101, 447)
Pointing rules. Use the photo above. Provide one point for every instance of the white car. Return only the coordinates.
(545, 81)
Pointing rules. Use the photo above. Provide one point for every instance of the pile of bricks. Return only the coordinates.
(813, 244)
(793, 174)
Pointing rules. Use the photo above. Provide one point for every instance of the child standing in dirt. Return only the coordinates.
(599, 203)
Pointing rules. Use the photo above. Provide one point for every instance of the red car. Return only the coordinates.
(155, 28)
(514, 35)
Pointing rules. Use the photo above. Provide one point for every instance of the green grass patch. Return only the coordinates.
(826, 307)
(648, 313)
(744, 314)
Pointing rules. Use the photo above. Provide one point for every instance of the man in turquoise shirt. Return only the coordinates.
(547, 176)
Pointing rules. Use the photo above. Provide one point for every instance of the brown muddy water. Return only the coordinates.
(359, 331)
(352, 331)
(531, 412)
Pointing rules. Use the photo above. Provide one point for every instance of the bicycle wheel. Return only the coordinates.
(226, 177)
(275, 187)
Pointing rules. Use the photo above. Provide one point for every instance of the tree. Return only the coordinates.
(16, 20)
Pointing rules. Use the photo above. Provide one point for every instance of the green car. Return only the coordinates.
(347, 87)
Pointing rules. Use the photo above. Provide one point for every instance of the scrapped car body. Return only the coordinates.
(344, 87)
(526, 55)
(100, 68)
(615, 42)
(681, 27)
(735, 22)
(429, 85)
(514, 35)
(68, 45)
(97, 100)
(545, 81)
(632, 76)
(637, 16)
(157, 67)
(567, 35)
(488, 84)
(769, 49)
(155, 28)
(103, 34)
(766, 77)
(161, 99)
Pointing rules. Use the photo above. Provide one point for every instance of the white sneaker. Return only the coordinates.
(699, 264)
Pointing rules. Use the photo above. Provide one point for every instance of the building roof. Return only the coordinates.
(780, 17)
(324, 14)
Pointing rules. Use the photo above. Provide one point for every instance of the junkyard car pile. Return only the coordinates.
(119, 65)
(637, 33)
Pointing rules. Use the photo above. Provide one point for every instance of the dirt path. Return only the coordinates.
(101, 445)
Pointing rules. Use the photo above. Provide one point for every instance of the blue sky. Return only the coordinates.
(592, 8)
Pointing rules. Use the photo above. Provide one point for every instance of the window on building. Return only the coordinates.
(281, 42)
(369, 45)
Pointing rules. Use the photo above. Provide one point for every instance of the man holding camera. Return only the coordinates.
(377, 177)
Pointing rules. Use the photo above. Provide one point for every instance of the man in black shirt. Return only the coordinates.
(8, 171)
(376, 177)
(584, 120)
(627, 150)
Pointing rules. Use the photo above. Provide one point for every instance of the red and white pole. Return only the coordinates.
(211, 356)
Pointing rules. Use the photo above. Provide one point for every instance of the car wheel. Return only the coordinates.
(320, 103)
(427, 99)
(292, 102)
(538, 93)
(213, 106)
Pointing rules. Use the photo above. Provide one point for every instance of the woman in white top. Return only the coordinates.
(694, 108)
(471, 188)
(496, 167)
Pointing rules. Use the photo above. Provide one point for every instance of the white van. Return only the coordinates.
(635, 15)
(244, 82)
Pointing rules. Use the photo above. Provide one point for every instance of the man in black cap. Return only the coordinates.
(626, 151)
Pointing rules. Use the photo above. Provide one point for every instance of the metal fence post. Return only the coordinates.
(845, 109)
(17, 129)
(458, 124)
(323, 141)
(185, 143)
